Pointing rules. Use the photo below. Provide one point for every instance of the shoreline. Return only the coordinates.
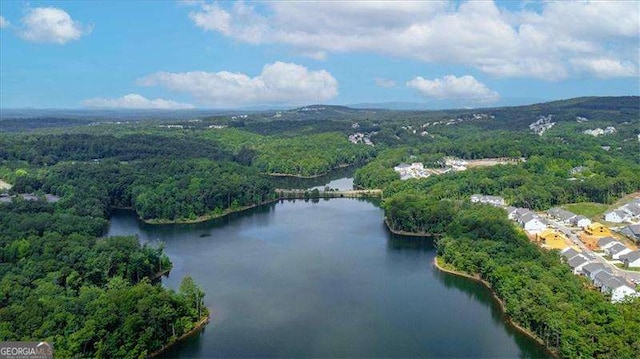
(205, 218)
(198, 327)
(404, 233)
(497, 299)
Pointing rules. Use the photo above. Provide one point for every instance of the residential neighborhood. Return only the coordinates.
(588, 248)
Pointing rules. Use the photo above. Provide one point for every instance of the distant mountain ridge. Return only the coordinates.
(617, 109)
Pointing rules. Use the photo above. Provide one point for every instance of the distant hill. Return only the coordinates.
(613, 109)
(440, 104)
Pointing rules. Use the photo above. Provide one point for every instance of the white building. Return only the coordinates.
(618, 288)
(532, 224)
(580, 221)
(615, 216)
(631, 259)
(617, 250)
(414, 170)
(492, 200)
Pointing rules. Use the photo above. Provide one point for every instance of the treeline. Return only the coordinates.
(539, 292)
(299, 155)
(49, 149)
(161, 178)
(89, 296)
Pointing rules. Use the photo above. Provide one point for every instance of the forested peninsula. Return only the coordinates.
(94, 296)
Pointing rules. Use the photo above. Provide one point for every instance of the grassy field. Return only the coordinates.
(587, 209)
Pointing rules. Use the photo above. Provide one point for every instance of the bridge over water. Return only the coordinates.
(302, 193)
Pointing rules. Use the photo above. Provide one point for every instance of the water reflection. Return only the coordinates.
(326, 279)
(399, 243)
(341, 179)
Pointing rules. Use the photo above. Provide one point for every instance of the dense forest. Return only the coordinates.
(89, 296)
(96, 297)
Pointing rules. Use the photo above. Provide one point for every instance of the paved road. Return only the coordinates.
(628, 275)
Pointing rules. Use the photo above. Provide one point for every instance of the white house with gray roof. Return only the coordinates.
(561, 215)
(616, 216)
(568, 253)
(618, 287)
(606, 242)
(616, 250)
(580, 221)
(631, 259)
(632, 231)
(632, 209)
(591, 269)
(576, 263)
(600, 277)
(531, 223)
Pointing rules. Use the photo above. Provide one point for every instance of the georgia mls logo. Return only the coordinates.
(26, 350)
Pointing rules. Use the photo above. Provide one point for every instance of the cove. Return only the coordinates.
(326, 279)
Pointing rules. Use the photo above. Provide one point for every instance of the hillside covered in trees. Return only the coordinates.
(95, 296)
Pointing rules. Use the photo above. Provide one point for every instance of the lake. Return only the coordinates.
(326, 279)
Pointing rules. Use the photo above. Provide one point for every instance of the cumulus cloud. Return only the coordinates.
(465, 88)
(606, 67)
(278, 83)
(544, 43)
(51, 25)
(135, 101)
(386, 83)
(3, 22)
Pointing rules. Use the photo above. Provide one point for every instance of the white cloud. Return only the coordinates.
(3, 22)
(278, 83)
(386, 83)
(135, 101)
(542, 43)
(51, 25)
(606, 67)
(464, 88)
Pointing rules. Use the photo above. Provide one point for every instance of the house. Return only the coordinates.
(618, 287)
(552, 239)
(616, 250)
(606, 242)
(568, 253)
(600, 277)
(492, 200)
(532, 224)
(631, 259)
(561, 215)
(615, 216)
(577, 263)
(597, 229)
(632, 231)
(632, 209)
(580, 221)
(591, 269)
(519, 213)
(511, 212)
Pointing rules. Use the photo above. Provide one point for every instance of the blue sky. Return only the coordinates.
(202, 54)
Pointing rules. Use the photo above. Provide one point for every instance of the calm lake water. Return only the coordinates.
(326, 279)
(341, 179)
